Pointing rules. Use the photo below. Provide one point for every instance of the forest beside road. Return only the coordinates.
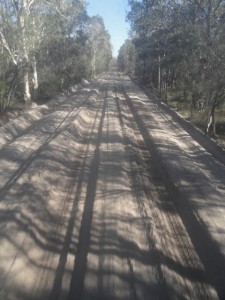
(108, 194)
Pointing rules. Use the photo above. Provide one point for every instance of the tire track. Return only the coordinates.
(78, 274)
(44, 112)
(70, 202)
(140, 196)
(27, 160)
(201, 235)
(184, 246)
(47, 259)
(100, 244)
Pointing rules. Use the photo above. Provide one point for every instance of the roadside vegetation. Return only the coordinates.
(47, 46)
(177, 49)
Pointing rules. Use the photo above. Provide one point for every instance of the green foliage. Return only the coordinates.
(50, 45)
(3, 95)
(5, 101)
(98, 41)
(180, 45)
(127, 58)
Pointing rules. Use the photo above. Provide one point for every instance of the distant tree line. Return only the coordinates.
(47, 45)
(179, 45)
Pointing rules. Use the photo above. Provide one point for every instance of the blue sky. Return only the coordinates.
(114, 14)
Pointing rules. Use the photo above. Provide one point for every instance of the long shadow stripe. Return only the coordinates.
(78, 275)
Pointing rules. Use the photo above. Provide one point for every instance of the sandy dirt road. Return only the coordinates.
(107, 194)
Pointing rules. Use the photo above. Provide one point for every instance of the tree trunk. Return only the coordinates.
(25, 64)
(34, 62)
(166, 92)
(212, 121)
(35, 77)
(94, 63)
(144, 70)
(26, 85)
(159, 75)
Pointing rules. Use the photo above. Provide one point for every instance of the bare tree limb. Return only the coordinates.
(16, 5)
(199, 5)
(58, 11)
(30, 3)
(5, 44)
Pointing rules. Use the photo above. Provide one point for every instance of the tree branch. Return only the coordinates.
(5, 44)
(58, 11)
(16, 5)
(199, 5)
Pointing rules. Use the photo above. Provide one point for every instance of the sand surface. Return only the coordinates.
(107, 194)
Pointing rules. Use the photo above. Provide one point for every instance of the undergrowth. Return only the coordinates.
(181, 102)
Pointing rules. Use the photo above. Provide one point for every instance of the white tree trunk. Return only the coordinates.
(25, 68)
(159, 75)
(27, 95)
(94, 62)
(211, 122)
(35, 77)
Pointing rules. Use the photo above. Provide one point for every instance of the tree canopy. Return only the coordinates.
(180, 44)
(47, 45)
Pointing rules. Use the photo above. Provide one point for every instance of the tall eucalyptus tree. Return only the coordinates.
(182, 43)
(99, 43)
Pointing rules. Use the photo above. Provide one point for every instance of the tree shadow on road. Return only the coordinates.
(207, 250)
(116, 253)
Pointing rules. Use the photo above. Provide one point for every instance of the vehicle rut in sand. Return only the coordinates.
(106, 197)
